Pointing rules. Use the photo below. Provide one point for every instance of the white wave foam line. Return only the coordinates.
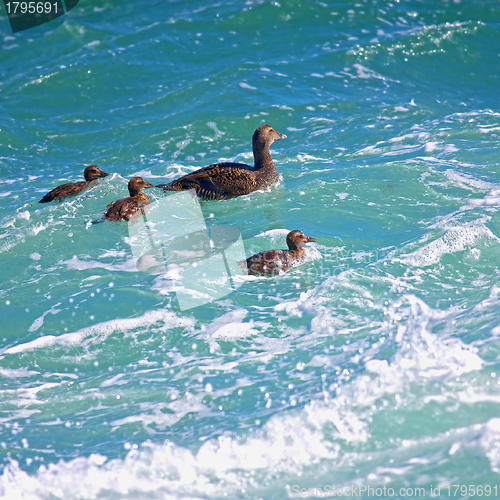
(303, 305)
(490, 443)
(466, 181)
(395, 151)
(431, 146)
(488, 130)
(455, 239)
(492, 199)
(231, 327)
(102, 330)
(363, 72)
(273, 234)
(154, 414)
(76, 263)
(170, 281)
(146, 174)
(389, 150)
(307, 158)
(218, 133)
(425, 356)
(288, 442)
(28, 395)
(245, 85)
(16, 372)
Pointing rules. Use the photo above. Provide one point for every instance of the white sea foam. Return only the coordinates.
(290, 441)
(80, 264)
(234, 331)
(431, 146)
(466, 181)
(16, 372)
(163, 318)
(394, 148)
(304, 158)
(455, 239)
(244, 85)
(146, 174)
(273, 233)
(421, 355)
(492, 199)
(490, 443)
(363, 72)
(487, 130)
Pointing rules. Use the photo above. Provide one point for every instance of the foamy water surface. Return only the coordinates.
(373, 364)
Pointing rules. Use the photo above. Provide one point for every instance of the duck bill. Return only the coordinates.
(309, 239)
(103, 174)
(149, 185)
(280, 136)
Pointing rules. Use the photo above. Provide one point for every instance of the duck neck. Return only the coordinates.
(262, 158)
(295, 251)
(133, 191)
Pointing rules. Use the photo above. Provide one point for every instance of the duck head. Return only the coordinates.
(137, 184)
(263, 137)
(93, 172)
(295, 239)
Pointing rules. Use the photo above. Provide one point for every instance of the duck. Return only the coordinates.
(126, 208)
(225, 180)
(272, 262)
(91, 174)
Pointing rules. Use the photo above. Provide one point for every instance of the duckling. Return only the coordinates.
(91, 174)
(125, 208)
(272, 262)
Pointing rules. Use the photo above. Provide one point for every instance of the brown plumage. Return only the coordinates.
(272, 262)
(222, 181)
(91, 174)
(125, 208)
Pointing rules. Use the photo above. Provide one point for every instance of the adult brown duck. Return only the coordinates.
(222, 181)
(91, 174)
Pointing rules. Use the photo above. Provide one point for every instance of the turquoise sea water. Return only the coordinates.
(375, 364)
